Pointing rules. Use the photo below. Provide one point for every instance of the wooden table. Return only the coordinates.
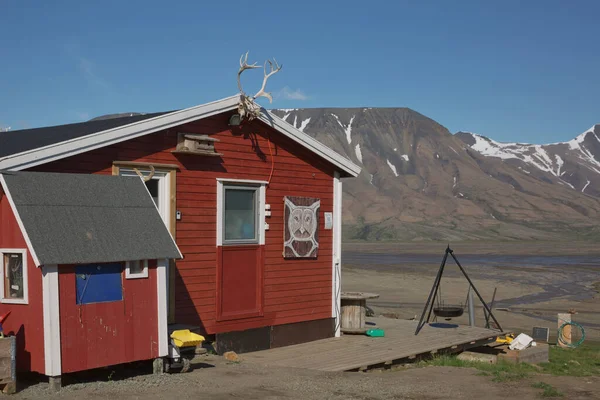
(354, 311)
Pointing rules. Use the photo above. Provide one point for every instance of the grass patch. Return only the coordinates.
(547, 390)
(582, 361)
(501, 372)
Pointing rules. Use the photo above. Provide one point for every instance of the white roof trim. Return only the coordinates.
(310, 143)
(57, 151)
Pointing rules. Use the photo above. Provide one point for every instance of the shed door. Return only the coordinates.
(240, 256)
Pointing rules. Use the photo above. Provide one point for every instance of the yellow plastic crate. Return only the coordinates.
(185, 338)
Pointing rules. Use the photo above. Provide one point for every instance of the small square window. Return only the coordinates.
(240, 215)
(99, 283)
(136, 269)
(14, 275)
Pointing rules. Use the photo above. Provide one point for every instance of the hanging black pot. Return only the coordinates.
(448, 311)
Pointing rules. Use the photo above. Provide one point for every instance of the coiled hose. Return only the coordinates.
(567, 341)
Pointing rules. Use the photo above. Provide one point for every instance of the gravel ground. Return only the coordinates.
(219, 379)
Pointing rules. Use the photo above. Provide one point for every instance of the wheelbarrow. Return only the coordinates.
(182, 350)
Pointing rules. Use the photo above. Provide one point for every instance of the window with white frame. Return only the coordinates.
(14, 276)
(240, 214)
(136, 269)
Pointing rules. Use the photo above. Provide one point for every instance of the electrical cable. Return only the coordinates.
(338, 289)
(272, 161)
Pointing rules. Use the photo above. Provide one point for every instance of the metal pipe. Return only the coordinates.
(433, 293)
(476, 292)
(471, 308)
(487, 316)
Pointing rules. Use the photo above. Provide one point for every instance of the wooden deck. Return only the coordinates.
(360, 352)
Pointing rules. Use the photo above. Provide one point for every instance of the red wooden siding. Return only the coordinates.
(239, 282)
(25, 320)
(294, 290)
(103, 334)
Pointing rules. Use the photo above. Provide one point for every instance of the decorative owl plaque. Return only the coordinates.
(301, 227)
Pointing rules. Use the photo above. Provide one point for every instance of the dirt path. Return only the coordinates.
(222, 380)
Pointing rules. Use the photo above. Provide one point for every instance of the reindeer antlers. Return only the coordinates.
(244, 66)
(274, 68)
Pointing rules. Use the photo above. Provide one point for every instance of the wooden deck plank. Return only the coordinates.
(351, 352)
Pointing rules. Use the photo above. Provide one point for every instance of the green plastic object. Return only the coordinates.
(376, 332)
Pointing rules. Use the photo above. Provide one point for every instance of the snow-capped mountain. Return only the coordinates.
(420, 182)
(575, 163)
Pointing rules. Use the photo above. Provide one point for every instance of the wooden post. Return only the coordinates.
(566, 332)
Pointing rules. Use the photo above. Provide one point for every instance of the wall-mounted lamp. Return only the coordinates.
(235, 120)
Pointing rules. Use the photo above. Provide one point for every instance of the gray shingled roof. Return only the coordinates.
(77, 219)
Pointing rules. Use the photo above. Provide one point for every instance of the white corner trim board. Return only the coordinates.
(337, 253)
(19, 221)
(161, 287)
(51, 310)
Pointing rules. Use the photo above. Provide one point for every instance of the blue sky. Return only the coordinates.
(513, 70)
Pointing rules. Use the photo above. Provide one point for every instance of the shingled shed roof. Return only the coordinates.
(77, 219)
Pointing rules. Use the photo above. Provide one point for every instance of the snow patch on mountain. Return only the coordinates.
(533, 154)
(586, 185)
(348, 130)
(358, 153)
(392, 167)
(338, 120)
(304, 124)
(405, 157)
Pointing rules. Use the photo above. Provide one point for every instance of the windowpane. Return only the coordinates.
(152, 186)
(240, 214)
(136, 267)
(13, 273)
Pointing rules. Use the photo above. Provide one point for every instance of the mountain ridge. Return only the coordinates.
(421, 182)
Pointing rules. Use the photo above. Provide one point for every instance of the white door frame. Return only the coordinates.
(164, 190)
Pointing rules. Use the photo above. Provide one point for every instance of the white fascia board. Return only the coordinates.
(310, 143)
(53, 152)
(336, 278)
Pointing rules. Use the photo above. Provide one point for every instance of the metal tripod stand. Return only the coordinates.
(434, 291)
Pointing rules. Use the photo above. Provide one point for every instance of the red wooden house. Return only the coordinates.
(254, 208)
